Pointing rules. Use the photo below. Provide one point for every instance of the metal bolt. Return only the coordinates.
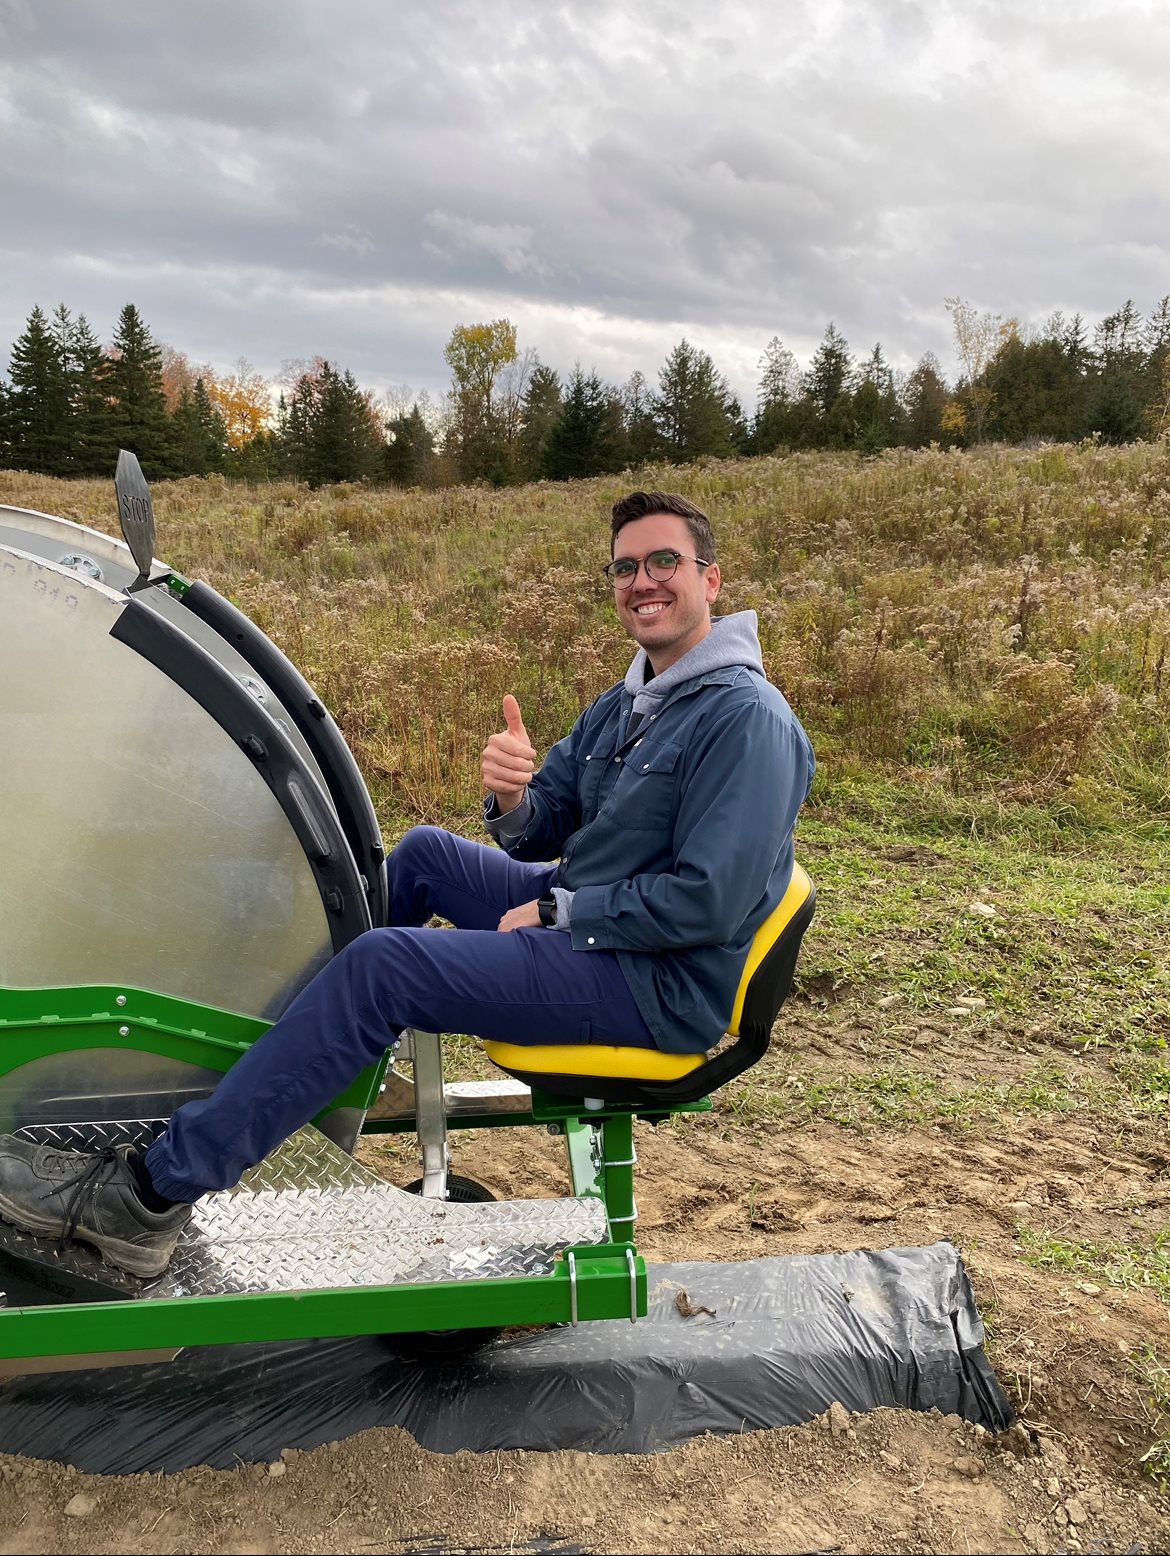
(123, 1031)
(555, 1129)
(121, 1000)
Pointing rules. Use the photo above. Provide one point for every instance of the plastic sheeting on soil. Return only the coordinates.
(785, 1338)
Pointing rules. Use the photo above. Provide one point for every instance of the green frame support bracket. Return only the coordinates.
(593, 1282)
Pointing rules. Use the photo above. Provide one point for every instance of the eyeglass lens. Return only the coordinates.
(659, 565)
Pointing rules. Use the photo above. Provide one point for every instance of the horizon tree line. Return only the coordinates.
(70, 403)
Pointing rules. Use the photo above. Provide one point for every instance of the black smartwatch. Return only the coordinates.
(547, 908)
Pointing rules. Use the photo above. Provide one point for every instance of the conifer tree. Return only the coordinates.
(643, 443)
(39, 410)
(827, 386)
(924, 400)
(692, 408)
(295, 415)
(329, 430)
(261, 458)
(88, 402)
(6, 458)
(614, 437)
(1075, 342)
(1156, 376)
(410, 449)
(580, 441)
(347, 446)
(539, 412)
(199, 432)
(132, 379)
(1034, 390)
(875, 409)
(830, 371)
(1116, 405)
(779, 391)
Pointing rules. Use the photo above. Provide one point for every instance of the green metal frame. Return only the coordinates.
(35, 1023)
(590, 1282)
(609, 1282)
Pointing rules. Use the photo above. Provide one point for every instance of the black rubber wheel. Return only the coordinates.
(463, 1191)
(440, 1344)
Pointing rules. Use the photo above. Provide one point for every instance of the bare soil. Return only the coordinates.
(1066, 1479)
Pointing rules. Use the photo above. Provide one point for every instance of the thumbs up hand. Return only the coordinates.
(509, 759)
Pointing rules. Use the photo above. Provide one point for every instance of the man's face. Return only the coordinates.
(666, 619)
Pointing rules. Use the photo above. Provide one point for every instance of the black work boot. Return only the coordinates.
(89, 1195)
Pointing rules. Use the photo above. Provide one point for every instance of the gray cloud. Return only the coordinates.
(356, 179)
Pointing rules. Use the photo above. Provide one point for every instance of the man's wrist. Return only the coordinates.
(510, 800)
(547, 909)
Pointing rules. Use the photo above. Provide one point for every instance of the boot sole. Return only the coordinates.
(127, 1257)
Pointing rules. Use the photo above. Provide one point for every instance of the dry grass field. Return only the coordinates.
(977, 1047)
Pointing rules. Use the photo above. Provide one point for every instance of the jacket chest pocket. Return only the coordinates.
(647, 788)
(591, 772)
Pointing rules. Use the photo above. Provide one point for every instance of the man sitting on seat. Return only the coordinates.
(669, 808)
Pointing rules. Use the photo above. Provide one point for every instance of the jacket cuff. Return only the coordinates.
(589, 928)
(511, 827)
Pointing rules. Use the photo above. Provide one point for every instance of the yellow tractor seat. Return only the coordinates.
(647, 1076)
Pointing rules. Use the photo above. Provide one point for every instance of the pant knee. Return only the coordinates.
(420, 840)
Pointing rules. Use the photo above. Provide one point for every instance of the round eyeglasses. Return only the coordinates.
(659, 565)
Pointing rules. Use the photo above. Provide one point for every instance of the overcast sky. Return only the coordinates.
(354, 178)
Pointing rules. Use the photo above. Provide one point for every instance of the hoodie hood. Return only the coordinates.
(731, 641)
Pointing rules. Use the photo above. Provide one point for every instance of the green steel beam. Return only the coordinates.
(35, 1023)
(617, 1165)
(604, 1289)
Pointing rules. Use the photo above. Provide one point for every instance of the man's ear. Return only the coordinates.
(714, 582)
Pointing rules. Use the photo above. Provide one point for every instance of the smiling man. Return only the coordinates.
(668, 810)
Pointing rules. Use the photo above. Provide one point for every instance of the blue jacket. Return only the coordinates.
(676, 841)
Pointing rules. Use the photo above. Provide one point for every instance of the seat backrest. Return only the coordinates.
(767, 973)
(763, 987)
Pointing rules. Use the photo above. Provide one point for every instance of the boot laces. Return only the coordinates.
(99, 1169)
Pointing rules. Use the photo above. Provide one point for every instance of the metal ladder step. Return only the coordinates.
(311, 1217)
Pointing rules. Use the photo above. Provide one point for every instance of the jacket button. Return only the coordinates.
(591, 940)
(645, 767)
(618, 760)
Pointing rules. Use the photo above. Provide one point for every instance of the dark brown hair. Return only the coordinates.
(640, 505)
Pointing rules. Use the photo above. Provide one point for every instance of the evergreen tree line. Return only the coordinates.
(70, 404)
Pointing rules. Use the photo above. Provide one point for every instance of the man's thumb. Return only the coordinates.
(512, 718)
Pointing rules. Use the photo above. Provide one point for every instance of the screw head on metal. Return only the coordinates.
(121, 1000)
(123, 1031)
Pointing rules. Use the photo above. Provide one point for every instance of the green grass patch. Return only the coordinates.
(1053, 928)
(1121, 1264)
(1153, 1378)
(897, 1093)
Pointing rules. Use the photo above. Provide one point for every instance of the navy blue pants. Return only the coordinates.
(526, 986)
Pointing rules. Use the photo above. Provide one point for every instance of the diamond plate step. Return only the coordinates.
(310, 1217)
(462, 1099)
